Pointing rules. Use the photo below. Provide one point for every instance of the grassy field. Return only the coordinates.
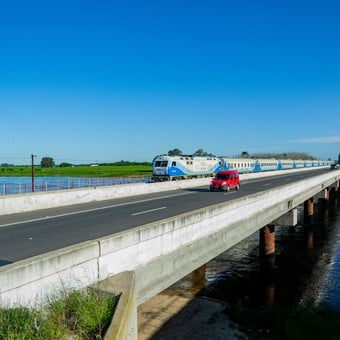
(80, 171)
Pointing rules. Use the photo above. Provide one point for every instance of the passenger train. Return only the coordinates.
(167, 168)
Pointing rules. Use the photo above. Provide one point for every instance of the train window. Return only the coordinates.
(173, 163)
(164, 164)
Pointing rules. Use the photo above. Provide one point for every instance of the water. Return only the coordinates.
(305, 268)
(19, 185)
(329, 290)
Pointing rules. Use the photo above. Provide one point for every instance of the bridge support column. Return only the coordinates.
(267, 240)
(197, 279)
(308, 211)
(333, 193)
(336, 186)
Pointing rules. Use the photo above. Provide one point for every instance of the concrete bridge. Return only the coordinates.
(143, 261)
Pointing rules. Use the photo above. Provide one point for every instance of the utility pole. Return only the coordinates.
(32, 162)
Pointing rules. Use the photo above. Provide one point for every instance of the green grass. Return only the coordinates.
(85, 314)
(80, 171)
(300, 322)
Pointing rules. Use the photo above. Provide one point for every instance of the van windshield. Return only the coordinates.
(222, 176)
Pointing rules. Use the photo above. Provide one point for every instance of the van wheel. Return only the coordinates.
(237, 187)
(227, 188)
(211, 189)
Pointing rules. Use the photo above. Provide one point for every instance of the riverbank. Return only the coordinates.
(178, 317)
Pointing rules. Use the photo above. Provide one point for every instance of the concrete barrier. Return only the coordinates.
(124, 322)
(30, 282)
(19, 203)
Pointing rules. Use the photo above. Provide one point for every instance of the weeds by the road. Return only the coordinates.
(84, 314)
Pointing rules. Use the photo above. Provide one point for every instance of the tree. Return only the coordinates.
(65, 165)
(174, 152)
(245, 154)
(47, 162)
(200, 152)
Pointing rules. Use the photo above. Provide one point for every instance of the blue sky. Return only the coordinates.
(103, 81)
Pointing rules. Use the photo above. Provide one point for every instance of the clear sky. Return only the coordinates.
(104, 81)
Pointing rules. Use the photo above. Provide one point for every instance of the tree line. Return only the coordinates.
(245, 154)
(48, 162)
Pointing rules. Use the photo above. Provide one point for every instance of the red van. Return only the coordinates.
(225, 180)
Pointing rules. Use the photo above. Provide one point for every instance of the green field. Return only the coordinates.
(80, 171)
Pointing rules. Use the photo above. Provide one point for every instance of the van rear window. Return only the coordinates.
(222, 176)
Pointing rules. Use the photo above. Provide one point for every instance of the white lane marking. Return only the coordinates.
(266, 185)
(96, 209)
(147, 211)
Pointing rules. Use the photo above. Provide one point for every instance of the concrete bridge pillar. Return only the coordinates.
(333, 193)
(267, 240)
(197, 279)
(308, 211)
(336, 185)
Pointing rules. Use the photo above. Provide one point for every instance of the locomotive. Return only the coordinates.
(167, 168)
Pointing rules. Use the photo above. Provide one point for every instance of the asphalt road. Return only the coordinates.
(29, 234)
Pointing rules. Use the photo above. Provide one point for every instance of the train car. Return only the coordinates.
(324, 163)
(268, 165)
(167, 168)
(286, 164)
(309, 163)
(298, 164)
(243, 165)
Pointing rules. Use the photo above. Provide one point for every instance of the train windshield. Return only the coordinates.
(161, 164)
